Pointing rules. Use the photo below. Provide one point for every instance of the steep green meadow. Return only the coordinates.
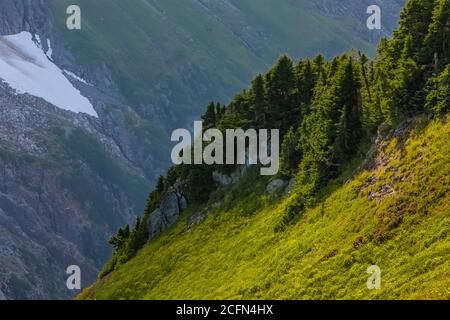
(395, 213)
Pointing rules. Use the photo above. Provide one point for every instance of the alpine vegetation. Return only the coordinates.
(363, 185)
(90, 92)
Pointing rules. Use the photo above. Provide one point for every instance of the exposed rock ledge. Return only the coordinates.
(167, 214)
(2, 296)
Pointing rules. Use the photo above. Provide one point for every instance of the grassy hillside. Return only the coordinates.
(395, 214)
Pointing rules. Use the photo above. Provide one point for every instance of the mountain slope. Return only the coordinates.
(68, 180)
(180, 55)
(394, 214)
(363, 185)
(59, 196)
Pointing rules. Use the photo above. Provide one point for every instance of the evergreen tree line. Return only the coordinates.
(325, 110)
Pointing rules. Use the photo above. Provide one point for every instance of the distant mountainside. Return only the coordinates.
(169, 58)
(360, 208)
(138, 69)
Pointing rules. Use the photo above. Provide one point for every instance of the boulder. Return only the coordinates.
(222, 179)
(275, 185)
(196, 219)
(167, 214)
(169, 209)
(182, 203)
(290, 186)
(226, 180)
(155, 224)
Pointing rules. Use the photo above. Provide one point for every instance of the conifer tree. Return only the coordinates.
(160, 184)
(118, 241)
(437, 42)
(306, 80)
(414, 21)
(363, 61)
(438, 98)
(220, 110)
(350, 128)
(290, 153)
(258, 100)
(209, 118)
(319, 65)
(199, 183)
(281, 95)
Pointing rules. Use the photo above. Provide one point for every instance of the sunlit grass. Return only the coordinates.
(236, 254)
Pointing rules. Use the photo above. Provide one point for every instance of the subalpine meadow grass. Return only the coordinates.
(395, 215)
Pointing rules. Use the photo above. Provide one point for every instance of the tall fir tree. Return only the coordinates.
(209, 118)
(438, 97)
(259, 103)
(306, 81)
(290, 153)
(437, 42)
(350, 132)
(284, 109)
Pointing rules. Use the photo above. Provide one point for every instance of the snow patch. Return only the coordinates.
(74, 76)
(27, 69)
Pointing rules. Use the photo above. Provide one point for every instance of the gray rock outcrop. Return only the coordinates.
(57, 206)
(290, 186)
(2, 296)
(275, 185)
(167, 214)
(228, 179)
(67, 181)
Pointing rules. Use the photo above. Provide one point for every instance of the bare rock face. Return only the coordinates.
(222, 179)
(67, 181)
(169, 210)
(275, 185)
(290, 186)
(58, 205)
(167, 214)
(23, 15)
(226, 180)
(182, 202)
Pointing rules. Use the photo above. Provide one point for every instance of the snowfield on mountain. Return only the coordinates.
(25, 67)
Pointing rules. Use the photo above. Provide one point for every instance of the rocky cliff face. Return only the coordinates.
(67, 180)
(167, 214)
(24, 15)
(61, 196)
